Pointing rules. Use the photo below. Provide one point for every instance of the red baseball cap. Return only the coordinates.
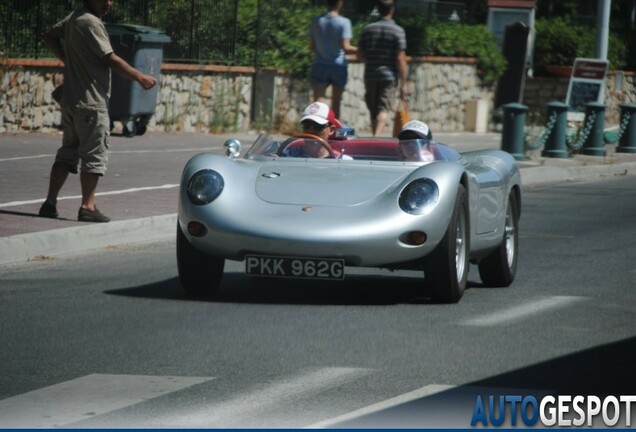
(320, 113)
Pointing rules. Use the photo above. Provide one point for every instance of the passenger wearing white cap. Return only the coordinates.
(415, 129)
(415, 138)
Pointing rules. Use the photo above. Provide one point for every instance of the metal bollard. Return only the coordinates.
(594, 144)
(627, 142)
(555, 145)
(512, 138)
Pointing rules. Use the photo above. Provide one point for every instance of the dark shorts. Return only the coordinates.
(335, 75)
(85, 140)
(379, 96)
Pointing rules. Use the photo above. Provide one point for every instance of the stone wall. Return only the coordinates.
(438, 89)
(204, 101)
(26, 103)
(215, 99)
(620, 90)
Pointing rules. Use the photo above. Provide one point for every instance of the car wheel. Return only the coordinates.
(446, 269)
(500, 267)
(199, 273)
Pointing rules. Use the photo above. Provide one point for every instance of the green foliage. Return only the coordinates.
(460, 40)
(284, 42)
(357, 27)
(449, 40)
(415, 29)
(246, 38)
(19, 40)
(198, 32)
(287, 45)
(559, 42)
(274, 33)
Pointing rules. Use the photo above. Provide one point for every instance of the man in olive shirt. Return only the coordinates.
(382, 47)
(88, 60)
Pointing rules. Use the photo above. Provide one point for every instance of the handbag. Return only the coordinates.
(401, 117)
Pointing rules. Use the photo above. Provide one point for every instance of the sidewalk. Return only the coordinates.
(140, 190)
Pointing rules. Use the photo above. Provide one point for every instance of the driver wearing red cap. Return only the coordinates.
(317, 119)
(320, 120)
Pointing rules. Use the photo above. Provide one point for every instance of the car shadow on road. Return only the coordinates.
(602, 371)
(239, 288)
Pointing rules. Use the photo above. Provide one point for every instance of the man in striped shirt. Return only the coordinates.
(382, 47)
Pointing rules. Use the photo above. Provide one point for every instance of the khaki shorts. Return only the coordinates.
(379, 96)
(85, 140)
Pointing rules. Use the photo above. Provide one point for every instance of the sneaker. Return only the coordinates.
(48, 211)
(86, 215)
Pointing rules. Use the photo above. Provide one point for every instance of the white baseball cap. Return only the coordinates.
(320, 113)
(420, 128)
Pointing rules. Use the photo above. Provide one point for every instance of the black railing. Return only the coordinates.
(233, 32)
(203, 31)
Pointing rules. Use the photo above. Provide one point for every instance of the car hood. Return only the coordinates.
(328, 184)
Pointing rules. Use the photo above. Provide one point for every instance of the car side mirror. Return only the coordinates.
(232, 148)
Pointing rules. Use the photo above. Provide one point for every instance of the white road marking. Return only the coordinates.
(26, 157)
(389, 403)
(201, 149)
(86, 397)
(258, 401)
(523, 311)
(116, 192)
(111, 152)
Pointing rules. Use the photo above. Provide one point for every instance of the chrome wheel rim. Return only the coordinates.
(509, 233)
(460, 245)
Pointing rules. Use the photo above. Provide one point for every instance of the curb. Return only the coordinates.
(65, 241)
(48, 244)
(542, 175)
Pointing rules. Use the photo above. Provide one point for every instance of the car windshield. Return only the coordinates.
(263, 146)
(375, 149)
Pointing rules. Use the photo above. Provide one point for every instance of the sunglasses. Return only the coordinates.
(317, 127)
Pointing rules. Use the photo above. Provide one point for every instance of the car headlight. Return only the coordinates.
(419, 196)
(205, 186)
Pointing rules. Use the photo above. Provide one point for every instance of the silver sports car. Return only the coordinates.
(383, 203)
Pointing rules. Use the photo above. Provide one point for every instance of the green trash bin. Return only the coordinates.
(142, 48)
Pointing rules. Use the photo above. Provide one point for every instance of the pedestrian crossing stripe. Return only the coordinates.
(86, 397)
(116, 401)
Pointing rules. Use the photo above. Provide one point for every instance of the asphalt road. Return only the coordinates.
(109, 340)
(140, 189)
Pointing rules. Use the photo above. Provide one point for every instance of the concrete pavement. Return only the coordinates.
(140, 190)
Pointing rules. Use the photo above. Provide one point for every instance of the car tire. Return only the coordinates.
(500, 267)
(446, 269)
(200, 274)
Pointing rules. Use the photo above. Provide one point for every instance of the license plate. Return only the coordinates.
(293, 267)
